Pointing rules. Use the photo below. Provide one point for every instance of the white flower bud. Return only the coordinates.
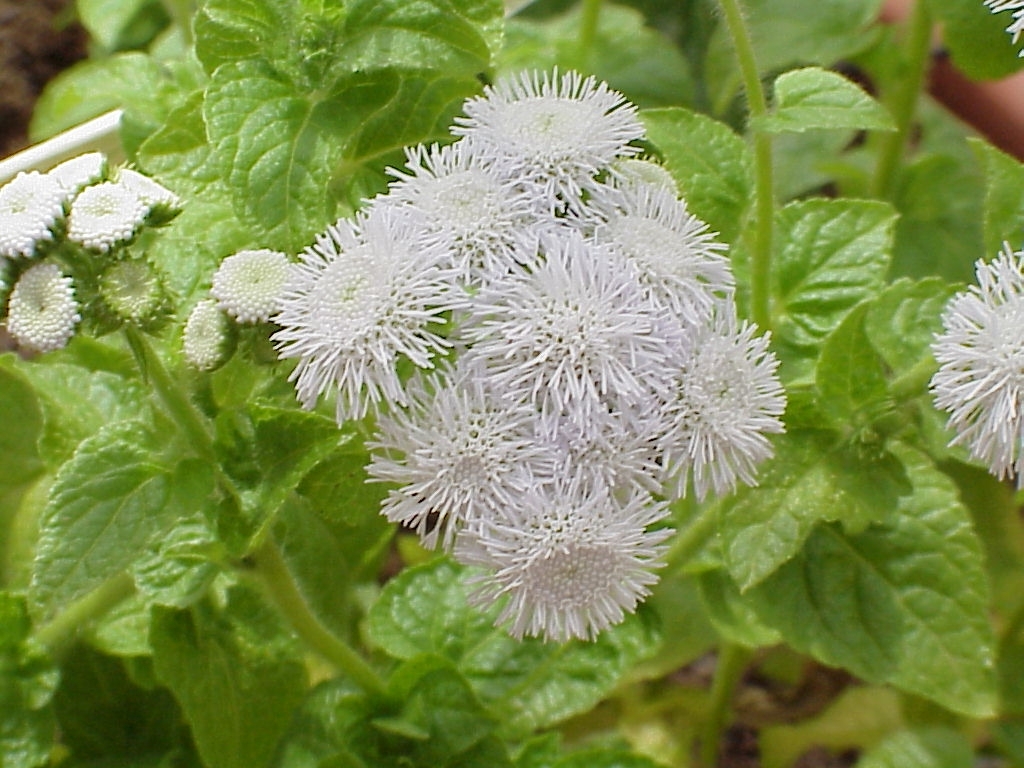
(249, 284)
(29, 207)
(42, 312)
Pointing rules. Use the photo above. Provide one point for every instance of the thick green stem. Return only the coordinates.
(62, 628)
(687, 542)
(171, 395)
(732, 662)
(285, 594)
(589, 15)
(764, 205)
(903, 105)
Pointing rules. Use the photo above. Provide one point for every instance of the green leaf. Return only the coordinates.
(829, 255)
(710, 163)
(23, 424)
(901, 322)
(237, 696)
(904, 602)
(605, 758)
(810, 479)
(851, 375)
(977, 39)
(231, 30)
(107, 504)
(528, 684)
(922, 748)
(629, 55)
(734, 620)
(1004, 197)
(816, 98)
(121, 24)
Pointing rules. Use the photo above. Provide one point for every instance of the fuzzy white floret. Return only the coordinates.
(42, 311)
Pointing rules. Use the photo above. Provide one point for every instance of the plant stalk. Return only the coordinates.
(732, 662)
(764, 204)
(589, 16)
(285, 595)
(686, 543)
(62, 628)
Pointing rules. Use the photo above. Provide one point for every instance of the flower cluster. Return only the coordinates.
(1016, 27)
(980, 352)
(67, 231)
(548, 340)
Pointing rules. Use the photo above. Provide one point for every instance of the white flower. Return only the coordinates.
(42, 311)
(554, 132)
(148, 191)
(576, 334)
(79, 172)
(460, 452)
(248, 285)
(105, 215)
(571, 559)
(675, 254)
(980, 352)
(465, 208)
(206, 340)
(1016, 27)
(727, 398)
(30, 205)
(361, 299)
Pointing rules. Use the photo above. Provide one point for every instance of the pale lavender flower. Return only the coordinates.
(361, 299)
(42, 311)
(30, 205)
(1016, 27)
(570, 559)
(105, 215)
(553, 132)
(248, 285)
(459, 452)
(980, 381)
(726, 400)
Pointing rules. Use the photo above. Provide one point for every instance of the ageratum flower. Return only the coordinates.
(361, 299)
(207, 337)
(555, 133)
(571, 559)
(150, 192)
(105, 215)
(79, 172)
(980, 381)
(1016, 27)
(42, 311)
(248, 285)
(30, 206)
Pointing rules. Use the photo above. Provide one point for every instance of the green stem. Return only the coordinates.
(589, 15)
(285, 594)
(764, 205)
(915, 381)
(686, 543)
(905, 95)
(177, 403)
(62, 628)
(732, 662)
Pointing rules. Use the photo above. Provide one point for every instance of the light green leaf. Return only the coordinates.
(816, 98)
(732, 618)
(237, 696)
(829, 255)
(977, 39)
(1004, 198)
(850, 375)
(921, 748)
(904, 602)
(710, 163)
(107, 504)
(121, 24)
(811, 478)
(231, 30)
(901, 322)
(23, 424)
(528, 684)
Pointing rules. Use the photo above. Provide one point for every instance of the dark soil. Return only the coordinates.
(38, 39)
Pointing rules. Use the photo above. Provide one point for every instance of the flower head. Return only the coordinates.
(105, 215)
(79, 172)
(571, 559)
(133, 291)
(552, 132)
(1016, 27)
(151, 193)
(362, 298)
(207, 337)
(980, 352)
(30, 206)
(42, 311)
(726, 400)
(248, 285)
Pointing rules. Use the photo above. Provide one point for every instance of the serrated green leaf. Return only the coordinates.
(330, 728)
(107, 504)
(23, 425)
(528, 684)
(237, 698)
(711, 164)
(1004, 197)
(734, 620)
(922, 748)
(904, 602)
(810, 479)
(977, 39)
(816, 98)
(901, 322)
(850, 375)
(178, 568)
(829, 255)
(231, 30)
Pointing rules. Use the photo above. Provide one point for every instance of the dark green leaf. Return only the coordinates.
(851, 375)
(1004, 198)
(901, 322)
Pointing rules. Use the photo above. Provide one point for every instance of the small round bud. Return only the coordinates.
(30, 205)
(249, 284)
(207, 339)
(133, 291)
(105, 215)
(42, 311)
